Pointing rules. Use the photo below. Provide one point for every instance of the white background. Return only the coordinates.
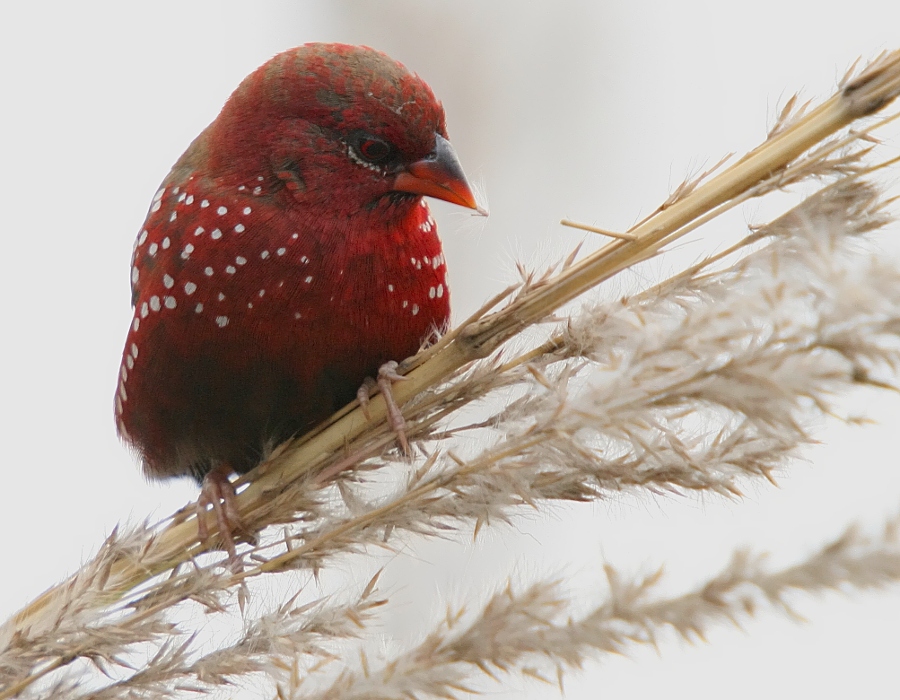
(588, 110)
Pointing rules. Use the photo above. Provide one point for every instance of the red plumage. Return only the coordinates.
(286, 256)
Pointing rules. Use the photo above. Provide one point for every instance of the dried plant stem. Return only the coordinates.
(768, 166)
(871, 91)
(861, 98)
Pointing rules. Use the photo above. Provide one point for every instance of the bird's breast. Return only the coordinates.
(230, 290)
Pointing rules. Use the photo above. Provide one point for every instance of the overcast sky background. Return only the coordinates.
(590, 110)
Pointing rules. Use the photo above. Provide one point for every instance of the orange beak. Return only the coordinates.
(439, 175)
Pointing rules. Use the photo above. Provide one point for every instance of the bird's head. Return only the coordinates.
(338, 129)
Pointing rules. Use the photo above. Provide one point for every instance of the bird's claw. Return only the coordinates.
(218, 491)
(387, 375)
(364, 393)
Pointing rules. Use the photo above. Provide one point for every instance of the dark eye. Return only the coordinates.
(373, 150)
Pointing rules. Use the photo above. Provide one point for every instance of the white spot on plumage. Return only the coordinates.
(257, 190)
(189, 288)
(166, 243)
(173, 216)
(154, 303)
(405, 304)
(198, 309)
(426, 259)
(135, 274)
(122, 392)
(242, 188)
(176, 190)
(182, 197)
(221, 297)
(249, 304)
(222, 321)
(264, 254)
(156, 206)
(168, 281)
(118, 405)
(247, 210)
(136, 324)
(440, 291)
(230, 269)
(199, 230)
(412, 261)
(208, 271)
(304, 259)
(222, 211)
(431, 292)
(240, 260)
(281, 251)
(129, 361)
(204, 204)
(308, 279)
(297, 315)
(262, 292)
(134, 351)
(295, 236)
(153, 248)
(239, 228)
(144, 310)
(170, 302)
(390, 288)
(186, 253)
(260, 178)
(216, 234)
(415, 309)
(142, 237)
(159, 194)
(190, 199)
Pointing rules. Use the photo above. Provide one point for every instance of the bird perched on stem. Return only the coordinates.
(286, 257)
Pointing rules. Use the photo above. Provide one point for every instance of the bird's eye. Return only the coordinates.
(374, 150)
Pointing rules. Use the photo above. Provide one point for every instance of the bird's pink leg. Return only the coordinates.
(387, 375)
(218, 492)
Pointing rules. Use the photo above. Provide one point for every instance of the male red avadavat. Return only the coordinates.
(287, 256)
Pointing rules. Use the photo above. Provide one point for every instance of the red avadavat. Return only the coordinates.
(288, 255)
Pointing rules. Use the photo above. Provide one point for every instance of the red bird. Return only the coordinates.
(285, 258)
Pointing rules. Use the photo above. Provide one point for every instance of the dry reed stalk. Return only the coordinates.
(632, 425)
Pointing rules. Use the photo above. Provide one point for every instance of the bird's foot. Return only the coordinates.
(218, 491)
(387, 375)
